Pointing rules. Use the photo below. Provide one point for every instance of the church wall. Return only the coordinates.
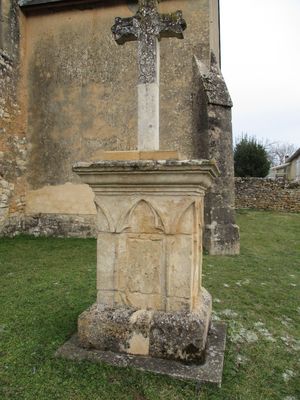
(68, 92)
(82, 96)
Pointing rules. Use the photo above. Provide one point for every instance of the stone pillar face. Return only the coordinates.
(150, 253)
(150, 299)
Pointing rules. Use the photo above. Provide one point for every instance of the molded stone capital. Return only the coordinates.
(195, 174)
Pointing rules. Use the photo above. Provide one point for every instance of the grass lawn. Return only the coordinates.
(47, 283)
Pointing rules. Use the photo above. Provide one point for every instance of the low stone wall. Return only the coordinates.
(267, 194)
(83, 226)
(13, 117)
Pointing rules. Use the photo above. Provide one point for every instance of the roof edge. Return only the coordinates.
(296, 154)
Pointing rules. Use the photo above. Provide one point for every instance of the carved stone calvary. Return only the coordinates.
(150, 298)
(147, 26)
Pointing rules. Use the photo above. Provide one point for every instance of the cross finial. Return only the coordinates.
(147, 26)
(148, 20)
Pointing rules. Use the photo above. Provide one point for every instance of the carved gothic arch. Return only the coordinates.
(187, 219)
(105, 222)
(151, 219)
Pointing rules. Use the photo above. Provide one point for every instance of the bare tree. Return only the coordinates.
(278, 152)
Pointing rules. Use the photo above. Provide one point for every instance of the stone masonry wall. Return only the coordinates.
(267, 194)
(57, 225)
(12, 116)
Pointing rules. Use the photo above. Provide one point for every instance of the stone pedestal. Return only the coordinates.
(149, 257)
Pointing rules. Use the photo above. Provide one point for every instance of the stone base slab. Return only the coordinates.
(208, 372)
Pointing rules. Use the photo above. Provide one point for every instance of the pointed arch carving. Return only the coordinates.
(105, 222)
(187, 220)
(141, 217)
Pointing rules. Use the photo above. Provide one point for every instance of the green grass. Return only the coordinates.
(46, 283)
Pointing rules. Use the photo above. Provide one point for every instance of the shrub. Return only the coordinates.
(250, 158)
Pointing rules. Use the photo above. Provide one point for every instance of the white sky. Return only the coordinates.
(261, 65)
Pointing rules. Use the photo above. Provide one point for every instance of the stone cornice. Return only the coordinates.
(168, 173)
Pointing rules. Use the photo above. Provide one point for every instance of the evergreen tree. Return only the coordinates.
(250, 158)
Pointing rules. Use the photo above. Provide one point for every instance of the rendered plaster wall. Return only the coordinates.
(82, 95)
(294, 170)
(12, 121)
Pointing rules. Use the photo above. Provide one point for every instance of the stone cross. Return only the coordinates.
(147, 26)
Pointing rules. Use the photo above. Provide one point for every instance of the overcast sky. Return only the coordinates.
(261, 64)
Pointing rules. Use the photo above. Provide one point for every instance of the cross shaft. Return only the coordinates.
(147, 26)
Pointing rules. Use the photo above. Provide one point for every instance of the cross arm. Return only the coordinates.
(124, 30)
(172, 25)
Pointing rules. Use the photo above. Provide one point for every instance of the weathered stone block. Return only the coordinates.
(179, 335)
(104, 329)
(122, 330)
